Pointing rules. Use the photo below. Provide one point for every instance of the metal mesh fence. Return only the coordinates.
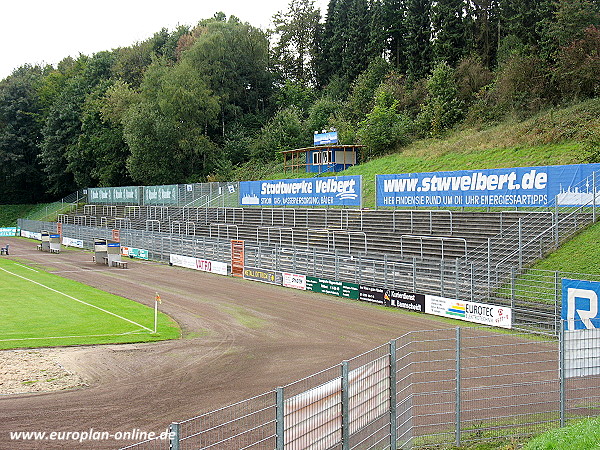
(430, 388)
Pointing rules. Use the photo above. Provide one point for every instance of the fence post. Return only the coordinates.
(414, 267)
(472, 281)
(557, 301)
(512, 288)
(456, 290)
(561, 370)
(594, 202)
(457, 399)
(489, 268)
(556, 238)
(520, 244)
(280, 425)
(345, 407)
(174, 429)
(442, 268)
(393, 394)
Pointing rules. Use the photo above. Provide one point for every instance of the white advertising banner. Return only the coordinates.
(199, 264)
(294, 281)
(497, 316)
(31, 235)
(69, 242)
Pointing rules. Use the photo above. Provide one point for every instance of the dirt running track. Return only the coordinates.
(240, 339)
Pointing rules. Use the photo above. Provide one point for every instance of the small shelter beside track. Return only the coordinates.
(326, 155)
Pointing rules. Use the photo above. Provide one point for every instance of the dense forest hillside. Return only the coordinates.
(214, 100)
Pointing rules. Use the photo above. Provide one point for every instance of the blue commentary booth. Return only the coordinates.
(326, 156)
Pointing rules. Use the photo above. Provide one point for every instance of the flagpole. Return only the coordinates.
(156, 302)
(155, 314)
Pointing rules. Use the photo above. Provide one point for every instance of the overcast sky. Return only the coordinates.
(46, 31)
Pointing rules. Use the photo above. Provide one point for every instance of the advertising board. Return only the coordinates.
(328, 137)
(339, 288)
(319, 191)
(121, 194)
(262, 275)
(512, 187)
(132, 252)
(294, 281)
(8, 231)
(581, 319)
(203, 265)
(31, 235)
(497, 316)
(161, 195)
(391, 297)
(70, 242)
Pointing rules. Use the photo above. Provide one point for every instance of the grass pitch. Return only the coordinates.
(39, 309)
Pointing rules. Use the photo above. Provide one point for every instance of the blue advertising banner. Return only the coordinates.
(321, 191)
(580, 304)
(512, 187)
(329, 137)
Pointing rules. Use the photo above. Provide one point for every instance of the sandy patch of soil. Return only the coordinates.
(27, 371)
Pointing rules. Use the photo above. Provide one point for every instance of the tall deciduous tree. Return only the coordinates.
(21, 178)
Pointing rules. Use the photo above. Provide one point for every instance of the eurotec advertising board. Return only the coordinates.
(262, 275)
(498, 316)
(391, 297)
(339, 288)
(199, 264)
(514, 187)
(320, 191)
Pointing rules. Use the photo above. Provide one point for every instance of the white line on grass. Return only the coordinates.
(67, 337)
(28, 268)
(77, 300)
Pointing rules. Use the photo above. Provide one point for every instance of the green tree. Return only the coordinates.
(449, 30)
(295, 32)
(362, 93)
(577, 71)
(344, 44)
(418, 40)
(165, 129)
(322, 114)
(567, 22)
(21, 177)
(394, 21)
(232, 58)
(384, 128)
(101, 140)
(285, 131)
(442, 108)
(481, 23)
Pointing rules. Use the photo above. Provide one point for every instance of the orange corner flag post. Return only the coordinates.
(156, 302)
